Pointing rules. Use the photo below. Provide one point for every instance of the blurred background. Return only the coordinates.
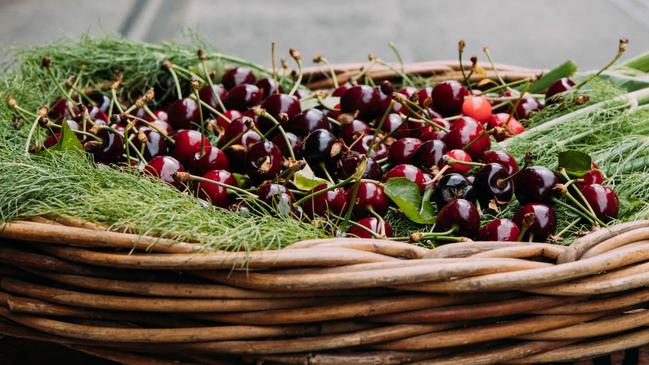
(527, 33)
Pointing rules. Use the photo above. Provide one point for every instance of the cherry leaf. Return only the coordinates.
(306, 180)
(576, 163)
(68, 141)
(405, 194)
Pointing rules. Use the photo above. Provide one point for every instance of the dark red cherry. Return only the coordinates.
(101, 102)
(187, 144)
(429, 154)
(222, 123)
(350, 132)
(461, 216)
(159, 115)
(594, 176)
(500, 229)
(379, 150)
(295, 142)
(279, 104)
(154, 143)
(51, 140)
(233, 131)
(277, 197)
(237, 76)
(452, 186)
(216, 194)
(448, 97)
(408, 91)
(243, 97)
(424, 97)
(526, 107)
(380, 101)
(269, 86)
(212, 159)
(429, 132)
(465, 131)
(490, 184)
(535, 184)
(208, 95)
(503, 158)
(403, 150)
(370, 195)
(397, 127)
(308, 121)
(264, 161)
(165, 167)
(358, 98)
(161, 126)
(538, 221)
(340, 90)
(560, 86)
(409, 172)
(371, 224)
(111, 148)
(477, 107)
(61, 109)
(347, 165)
(182, 113)
(333, 201)
(458, 155)
(603, 200)
(321, 146)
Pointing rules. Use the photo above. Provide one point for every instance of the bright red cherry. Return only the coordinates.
(212, 159)
(187, 144)
(538, 221)
(182, 113)
(222, 123)
(243, 97)
(408, 91)
(508, 124)
(469, 135)
(500, 229)
(558, 87)
(429, 154)
(448, 97)
(208, 95)
(371, 224)
(165, 167)
(594, 176)
(409, 172)
(350, 132)
(154, 143)
(503, 158)
(526, 107)
(459, 155)
(308, 121)
(461, 216)
(403, 150)
(340, 90)
(370, 195)
(535, 184)
(429, 132)
(603, 200)
(264, 161)
(237, 76)
(333, 201)
(477, 107)
(424, 97)
(216, 194)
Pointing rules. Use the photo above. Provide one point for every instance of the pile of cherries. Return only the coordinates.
(438, 137)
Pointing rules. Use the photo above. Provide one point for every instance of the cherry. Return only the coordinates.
(380, 100)
(165, 167)
(216, 194)
(187, 144)
(270, 86)
(594, 176)
(308, 121)
(500, 229)
(453, 186)
(264, 161)
(603, 200)
(159, 115)
(51, 140)
(349, 162)
(397, 127)
(294, 141)
(213, 159)
(277, 104)
(154, 143)
(334, 201)
(409, 172)
(448, 97)
(232, 131)
(61, 109)
(370, 195)
(110, 149)
(243, 97)
(489, 184)
(379, 150)
(538, 221)
(350, 132)
(477, 107)
(237, 76)
(373, 224)
(340, 90)
(320, 146)
(424, 97)
(430, 154)
(461, 216)
(428, 132)
(96, 114)
(208, 95)
(276, 196)
(358, 98)
(535, 185)
(408, 91)
(459, 155)
(469, 135)
(161, 126)
(509, 125)
(101, 101)
(526, 107)
(503, 158)
(182, 113)
(558, 87)
(403, 150)
(220, 123)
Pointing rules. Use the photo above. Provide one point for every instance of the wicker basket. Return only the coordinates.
(146, 300)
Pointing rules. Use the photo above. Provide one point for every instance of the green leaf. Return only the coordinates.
(575, 162)
(68, 140)
(405, 194)
(329, 102)
(566, 69)
(243, 181)
(306, 180)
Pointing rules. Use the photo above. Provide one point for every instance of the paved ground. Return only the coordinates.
(540, 34)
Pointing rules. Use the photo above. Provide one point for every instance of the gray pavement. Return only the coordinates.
(530, 33)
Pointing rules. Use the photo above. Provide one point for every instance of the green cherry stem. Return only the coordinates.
(30, 135)
(263, 113)
(170, 67)
(487, 53)
(298, 60)
(620, 51)
(332, 72)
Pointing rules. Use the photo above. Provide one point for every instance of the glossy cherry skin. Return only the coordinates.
(320, 146)
(453, 186)
(233, 131)
(429, 154)
(477, 107)
(358, 98)
(111, 148)
(424, 97)
(460, 215)
(448, 97)
(308, 121)
(276, 105)
(526, 107)
(429, 132)
(560, 86)
(403, 150)
(264, 161)
(397, 127)
(349, 161)
(489, 184)
(380, 100)
(458, 155)
(340, 90)
(509, 126)
(243, 97)
(370, 195)
(216, 194)
(161, 126)
(408, 91)
(154, 143)
(535, 185)
(159, 115)
(373, 225)
(165, 167)
(350, 132)
(269, 86)
(500, 229)
(594, 176)
(603, 200)
(209, 95)
(503, 158)
(182, 113)
(188, 143)
(294, 141)
(220, 123)
(333, 201)
(409, 172)
(379, 150)
(212, 159)
(538, 220)
(467, 130)
(237, 76)
(276, 196)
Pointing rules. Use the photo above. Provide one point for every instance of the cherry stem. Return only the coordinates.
(524, 229)
(452, 161)
(273, 57)
(352, 200)
(332, 72)
(83, 133)
(505, 86)
(374, 234)
(460, 51)
(202, 121)
(188, 74)
(404, 74)
(210, 108)
(578, 211)
(325, 190)
(438, 176)
(28, 142)
(170, 67)
(152, 126)
(482, 134)
(216, 94)
(381, 122)
(267, 115)
(568, 227)
(379, 218)
(620, 52)
(326, 172)
(401, 73)
(298, 81)
(114, 101)
(234, 140)
(13, 104)
(501, 182)
(586, 206)
(517, 103)
(334, 121)
(493, 65)
(364, 70)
